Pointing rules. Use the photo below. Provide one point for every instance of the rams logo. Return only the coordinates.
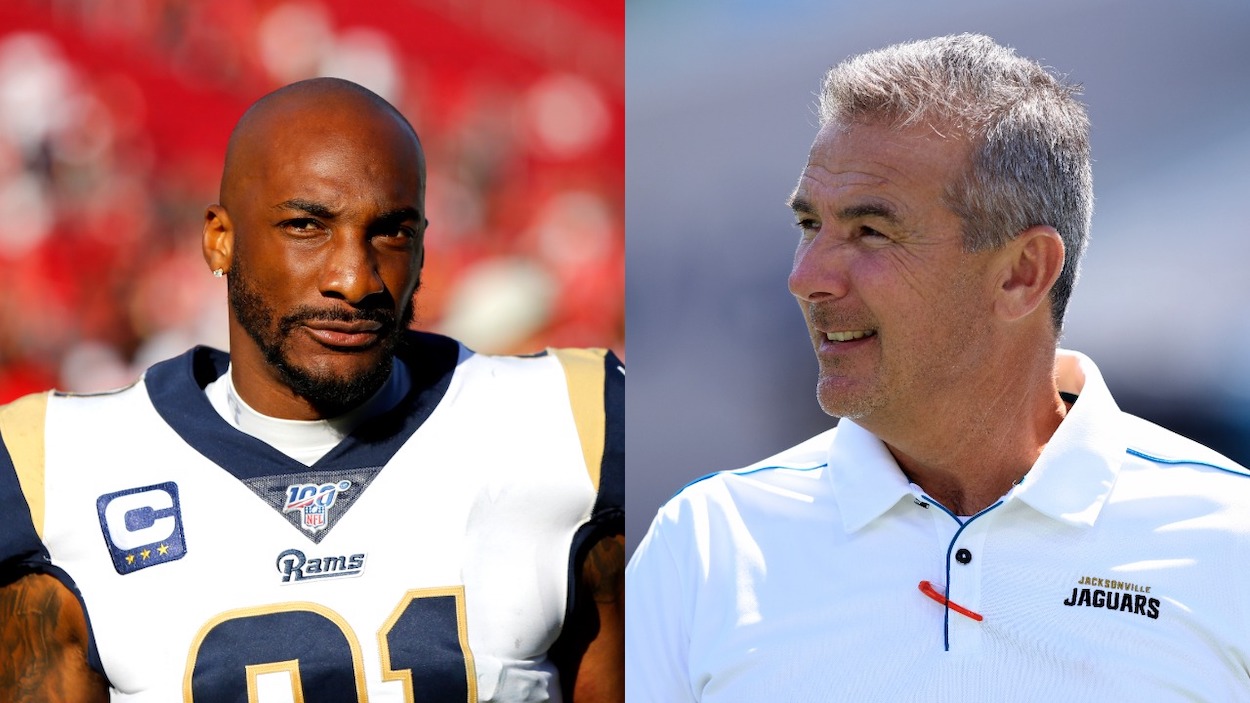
(294, 566)
(313, 501)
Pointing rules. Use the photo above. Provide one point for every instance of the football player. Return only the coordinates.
(339, 509)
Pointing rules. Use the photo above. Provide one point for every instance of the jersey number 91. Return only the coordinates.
(423, 644)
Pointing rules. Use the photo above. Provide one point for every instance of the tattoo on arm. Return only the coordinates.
(29, 613)
(604, 569)
(600, 671)
(590, 653)
(43, 644)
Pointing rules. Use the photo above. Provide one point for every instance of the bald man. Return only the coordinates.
(340, 508)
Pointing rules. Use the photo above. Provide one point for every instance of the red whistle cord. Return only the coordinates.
(928, 589)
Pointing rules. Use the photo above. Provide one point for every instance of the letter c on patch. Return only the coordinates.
(142, 526)
(140, 518)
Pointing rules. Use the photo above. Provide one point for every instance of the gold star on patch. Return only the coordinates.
(130, 558)
(145, 554)
(163, 550)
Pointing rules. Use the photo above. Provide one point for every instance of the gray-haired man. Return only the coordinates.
(985, 523)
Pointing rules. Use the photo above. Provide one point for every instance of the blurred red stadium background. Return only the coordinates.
(114, 116)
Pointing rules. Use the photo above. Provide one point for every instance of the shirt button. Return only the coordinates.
(963, 556)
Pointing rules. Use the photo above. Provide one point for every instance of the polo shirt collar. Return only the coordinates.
(1069, 482)
(1072, 478)
(866, 480)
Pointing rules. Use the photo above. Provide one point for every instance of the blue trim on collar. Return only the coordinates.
(176, 388)
(1181, 462)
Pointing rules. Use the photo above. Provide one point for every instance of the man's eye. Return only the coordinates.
(397, 233)
(398, 238)
(870, 232)
(807, 225)
(302, 225)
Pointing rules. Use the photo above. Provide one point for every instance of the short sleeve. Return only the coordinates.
(657, 637)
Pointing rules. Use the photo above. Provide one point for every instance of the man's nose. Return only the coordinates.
(821, 268)
(351, 271)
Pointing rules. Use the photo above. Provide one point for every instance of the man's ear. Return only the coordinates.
(425, 224)
(218, 241)
(1029, 266)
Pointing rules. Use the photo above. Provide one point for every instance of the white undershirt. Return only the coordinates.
(305, 441)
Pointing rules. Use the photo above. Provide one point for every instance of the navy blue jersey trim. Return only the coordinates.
(176, 387)
(19, 542)
(1183, 462)
(606, 519)
(612, 467)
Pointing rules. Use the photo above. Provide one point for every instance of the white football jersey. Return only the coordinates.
(427, 557)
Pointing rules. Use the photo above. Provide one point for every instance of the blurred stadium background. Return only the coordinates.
(720, 116)
(114, 116)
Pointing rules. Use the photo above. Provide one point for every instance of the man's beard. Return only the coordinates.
(330, 395)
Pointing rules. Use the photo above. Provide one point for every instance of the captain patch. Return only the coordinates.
(142, 526)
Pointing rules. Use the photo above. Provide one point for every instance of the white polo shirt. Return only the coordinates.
(1117, 570)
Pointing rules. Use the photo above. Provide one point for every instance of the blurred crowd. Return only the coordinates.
(114, 116)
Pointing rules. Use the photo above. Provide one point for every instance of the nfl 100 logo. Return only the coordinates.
(313, 501)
